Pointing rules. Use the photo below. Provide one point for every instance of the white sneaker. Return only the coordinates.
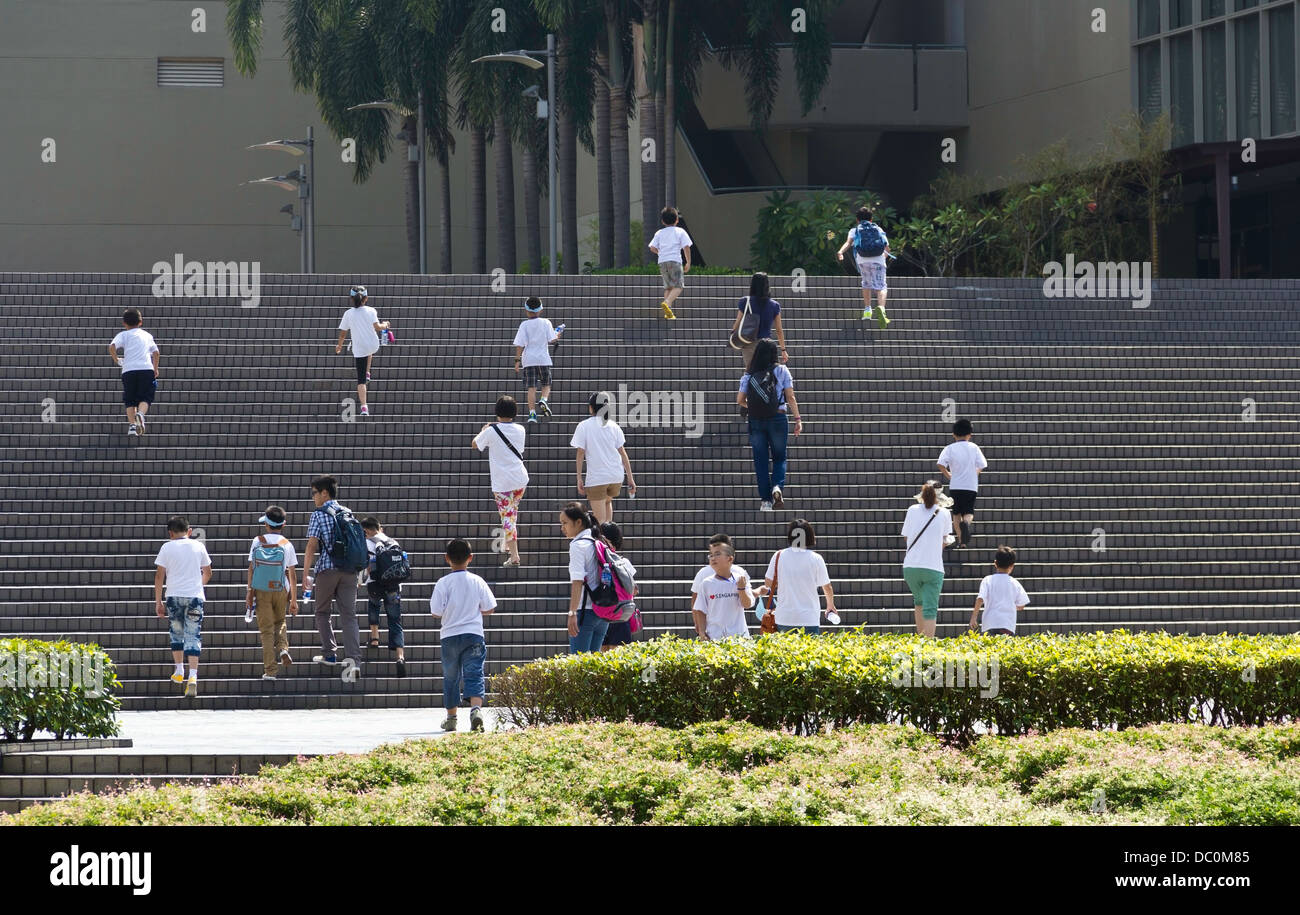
(268, 676)
(139, 422)
(365, 411)
(130, 430)
(765, 507)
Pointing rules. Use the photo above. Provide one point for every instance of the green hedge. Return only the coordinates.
(653, 270)
(60, 687)
(1030, 684)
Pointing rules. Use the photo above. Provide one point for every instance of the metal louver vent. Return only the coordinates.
(191, 71)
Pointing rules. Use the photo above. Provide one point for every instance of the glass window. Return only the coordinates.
(1149, 101)
(1148, 17)
(1246, 4)
(1281, 62)
(1211, 8)
(1246, 32)
(1214, 79)
(1180, 13)
(1182, 94)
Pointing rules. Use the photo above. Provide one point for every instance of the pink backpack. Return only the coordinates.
(612, 599)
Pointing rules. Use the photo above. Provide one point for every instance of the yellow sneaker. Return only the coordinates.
(178, 678)
(668, 312)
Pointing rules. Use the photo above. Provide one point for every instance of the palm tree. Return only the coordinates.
(616, 37)
(604, 169)
(648, 120)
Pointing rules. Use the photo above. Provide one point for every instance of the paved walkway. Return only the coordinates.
(247, 731)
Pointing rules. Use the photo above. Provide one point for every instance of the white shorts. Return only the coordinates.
(873, 275)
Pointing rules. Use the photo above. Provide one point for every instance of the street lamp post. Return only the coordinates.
(389, 105)
(526, 59)
(299, 179)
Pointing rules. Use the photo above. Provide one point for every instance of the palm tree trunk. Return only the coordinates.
(620, 167)
(532, 211)
(444, 217)
(478, 198)
(568, 178)
(604, 170)
(661, 135)
(505, 195)
(412, 201)
(646, 124)
(670, 109)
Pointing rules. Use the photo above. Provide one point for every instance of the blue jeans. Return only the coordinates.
(462, 659)
(768, 438)
(391, 603)
(810, 630)
(591, 633)
(185, 624)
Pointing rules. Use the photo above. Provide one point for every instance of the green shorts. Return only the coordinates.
(926, 585)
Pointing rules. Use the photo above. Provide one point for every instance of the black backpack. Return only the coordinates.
(348, 551)
(761, 395)
(392, 565)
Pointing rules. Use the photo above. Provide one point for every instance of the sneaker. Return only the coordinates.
(249, 614)
(543, 407)
(667, 311)
(178, 676)
(765, 507)
(866, 314)
(139, 422)
(476, 719)
(777, 501)
(286, 660)
(882, 319)
(268, 676)
(365, 410)
(401, 667)
(450, 723)
(367, 378)
(532, 417)
(130, 430)
(324, 659)
(965, 532)
(192, 687)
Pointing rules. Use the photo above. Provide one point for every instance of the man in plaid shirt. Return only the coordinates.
(330, 585)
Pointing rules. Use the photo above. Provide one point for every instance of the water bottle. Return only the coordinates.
(306, 597)
(558, 330)
(606, 576)
(832, 617)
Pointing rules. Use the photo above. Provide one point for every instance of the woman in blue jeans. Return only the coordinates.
(766, 398)
(586, 629)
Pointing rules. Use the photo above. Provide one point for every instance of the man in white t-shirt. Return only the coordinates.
(673, 247)
(871, 267)
(962, 462)
(715, 547)
(139, 362)
(183, 565)
(363, 323)
(1001, 597)
(461, 599)
(599, 441)
(504, 443)
(273, 604)
(723, 598)
(533, 355)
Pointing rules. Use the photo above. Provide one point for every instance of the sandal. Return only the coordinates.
(373, 643)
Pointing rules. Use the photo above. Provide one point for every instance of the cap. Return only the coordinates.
(359, 292)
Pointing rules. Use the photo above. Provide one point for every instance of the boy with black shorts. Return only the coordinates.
(363, 323)
(962, 463)
(533, 355)
(139, 362)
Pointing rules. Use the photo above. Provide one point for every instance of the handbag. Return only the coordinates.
(768, 622)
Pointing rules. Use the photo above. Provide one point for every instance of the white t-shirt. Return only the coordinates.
(508, 472)
(290, 555)
(853, 239)
(136, 345)
(372, 543)
(460, 599)
(964, 461)
(699, 578)
(1001, 594)
(583, 564)
(719, 600)
(600, 439)
(184, 560)
(801, 573)
(670, 240)
(535, 336)
(928, 551)
(360, 322)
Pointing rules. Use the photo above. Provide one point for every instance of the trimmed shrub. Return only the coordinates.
(951, 687)
(60, 687)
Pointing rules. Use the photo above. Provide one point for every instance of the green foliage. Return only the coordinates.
(806, 234)
(1044, 682)
(734, 773)
(48, 686)
(653, 270)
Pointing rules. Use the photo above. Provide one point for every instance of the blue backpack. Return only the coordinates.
(269, 565)
(348, 551)
(871, 241)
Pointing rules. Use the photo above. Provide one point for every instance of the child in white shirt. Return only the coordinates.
(1001, 597)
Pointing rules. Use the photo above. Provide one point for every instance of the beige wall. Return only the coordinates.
(1039, 74)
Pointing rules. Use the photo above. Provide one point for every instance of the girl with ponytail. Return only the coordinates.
(586, 629)
(924, 530)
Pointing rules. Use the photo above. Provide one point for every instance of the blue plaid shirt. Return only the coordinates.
(321, 526)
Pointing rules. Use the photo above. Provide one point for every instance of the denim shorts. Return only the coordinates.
(185, 624)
